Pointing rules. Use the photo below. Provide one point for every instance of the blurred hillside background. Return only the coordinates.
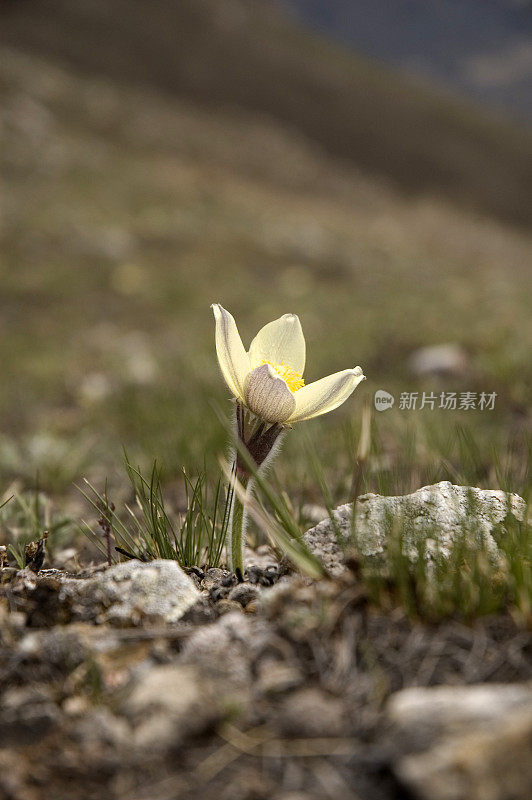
(274, 157)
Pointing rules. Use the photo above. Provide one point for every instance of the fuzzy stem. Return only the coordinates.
(237, 529)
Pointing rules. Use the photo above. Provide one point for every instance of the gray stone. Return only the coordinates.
(311, 712)
(423, 715)
(63, 647)
(101, 727)
(323, 539)
(132, 593)
(168, 703)
(491, 764)
(275, 676)
(437, 514)
(243, 593)
(212, 577)
(27, 714)
(222, 651)
(226, 606)
(463, 743)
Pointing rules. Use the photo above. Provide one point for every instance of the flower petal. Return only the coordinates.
(281, 342)
(326, 394)
(232, 356)
(268, 396)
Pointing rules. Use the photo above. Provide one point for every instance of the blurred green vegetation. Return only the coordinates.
(126, 214)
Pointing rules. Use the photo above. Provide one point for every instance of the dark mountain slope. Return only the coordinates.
(240, 53)
(479, 48)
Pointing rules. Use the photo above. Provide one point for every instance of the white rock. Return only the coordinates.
(491, 764)
(463, 743)
(131, 593)
(438, 514)
(445, 709)
(440, 359)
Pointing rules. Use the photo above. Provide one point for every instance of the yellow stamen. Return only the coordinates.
(293, 379)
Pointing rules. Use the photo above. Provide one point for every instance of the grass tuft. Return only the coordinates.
(148, 530)
(27, 518)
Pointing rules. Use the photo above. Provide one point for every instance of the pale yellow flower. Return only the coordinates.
(268, 378)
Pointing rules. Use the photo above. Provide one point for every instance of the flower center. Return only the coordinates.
(294, 380)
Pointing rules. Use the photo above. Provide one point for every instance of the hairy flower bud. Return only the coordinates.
(267, 395)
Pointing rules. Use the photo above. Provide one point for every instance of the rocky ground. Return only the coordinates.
(143, 681)
(128, 211)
